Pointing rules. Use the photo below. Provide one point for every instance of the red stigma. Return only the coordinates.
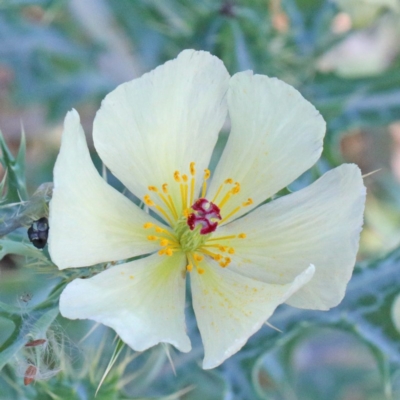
(204, 213)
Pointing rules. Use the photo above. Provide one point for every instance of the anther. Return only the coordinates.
(198, 257)
(148, 225)
(177, 176)
(229, 181)
(152, 189)
(231, 250)
(189, 267)
(152, 237)
(165, 188)
(200, 271)
(159, 230)
(241, 235)
(164, 242)
(236, 188)
(169, 252)
(222, 248)
(248, 202)
(207, 174)
(185, 178)
(192, 168)
(148, 201)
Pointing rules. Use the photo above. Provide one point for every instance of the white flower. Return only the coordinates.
(156, 134)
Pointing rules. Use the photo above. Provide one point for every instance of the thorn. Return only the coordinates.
(371, 173)
(166, 348)
(273, 327)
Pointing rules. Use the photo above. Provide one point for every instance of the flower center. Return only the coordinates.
(194, 222)
(205, 215)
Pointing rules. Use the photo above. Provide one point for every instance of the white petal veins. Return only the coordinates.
(151, 127)
(318, 225)
(276, 135)
(143, 301)
(230, 307)
(90, 222)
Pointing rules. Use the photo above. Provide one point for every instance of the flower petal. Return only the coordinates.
(318, 225)
(276, 135)
(230, 308)
(90, 222)
(143, 301)
(153, 126)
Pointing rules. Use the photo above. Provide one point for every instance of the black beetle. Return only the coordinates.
(39, 232)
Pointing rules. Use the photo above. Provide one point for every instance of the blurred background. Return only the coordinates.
(342, 55)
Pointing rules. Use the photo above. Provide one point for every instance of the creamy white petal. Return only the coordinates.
(230, 308)
(152, 126)
(317, 225)
(143, 301)
(90, 222)
(276, 135)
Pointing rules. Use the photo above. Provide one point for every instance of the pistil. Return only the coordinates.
(199, 219)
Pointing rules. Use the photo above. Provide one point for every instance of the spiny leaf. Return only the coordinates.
(117, 351)
(15, 215)
(15, 190)
(365, 311)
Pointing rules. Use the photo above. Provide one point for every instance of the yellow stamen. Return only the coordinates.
(169, 204)
(183, 195)
(169, 252)
(225, 263)
(152, 237)
(226, 182)
(222, 248)
(189, 267)
(186, 212)
(148, 201)
(193, 261)
(169, 234)
(186, 194)
(231, 250)
(164, 242)
(165, 188)
(177, 176)
(159, 229)
(192, 184)
(161, 252)
(225, 199)
(185, 178)
(236, 188)
(198, 257)
(221, 238)
(215, 256)
(152, 189)
(248, 202)
(192, 168)
(241, 235)
(172, 206)
(234, 211)
(207, 174)
(148, 225)
(162, 211)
